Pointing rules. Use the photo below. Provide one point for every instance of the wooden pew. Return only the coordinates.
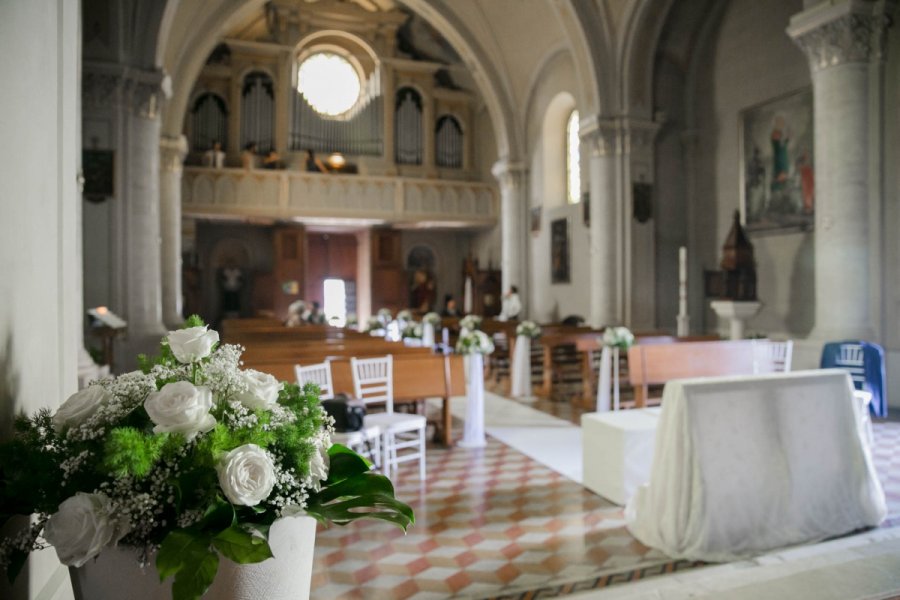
(655, 364)
(591, 347)
(556, 339)
(416, 377)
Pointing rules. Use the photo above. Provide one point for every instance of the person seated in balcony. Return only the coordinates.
(450, 309)
(214, 157)
(273, 161)
(249, 156)
(314, 164)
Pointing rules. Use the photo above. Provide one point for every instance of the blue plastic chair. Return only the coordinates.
(865, 362)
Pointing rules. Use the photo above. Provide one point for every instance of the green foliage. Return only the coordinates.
(353, 491)
(131, 452)
(193, 321)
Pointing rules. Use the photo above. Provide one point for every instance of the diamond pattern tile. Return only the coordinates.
(494, 523)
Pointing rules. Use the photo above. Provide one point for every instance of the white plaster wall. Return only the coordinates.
(552, 301)
(40, 311)
(753, 61)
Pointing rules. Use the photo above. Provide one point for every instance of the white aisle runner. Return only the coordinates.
(553, 442)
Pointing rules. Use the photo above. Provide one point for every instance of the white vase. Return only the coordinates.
(116, 574)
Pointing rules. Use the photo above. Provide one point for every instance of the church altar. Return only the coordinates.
(743, 465)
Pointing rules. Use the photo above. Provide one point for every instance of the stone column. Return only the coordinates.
(513, 179)
(842, 42)
(141, 266)
(172, 153)
(603, 140)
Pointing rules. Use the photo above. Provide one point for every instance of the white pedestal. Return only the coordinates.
(736, 313)
(473, 429)
(617, 450)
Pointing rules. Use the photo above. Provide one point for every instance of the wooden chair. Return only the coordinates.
(373, 383)
(366, 441)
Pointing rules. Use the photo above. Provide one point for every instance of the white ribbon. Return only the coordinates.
(609, 378)
(428, 335)
(473, 432)
(521, 367)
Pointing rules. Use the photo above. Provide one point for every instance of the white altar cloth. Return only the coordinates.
(743, 465)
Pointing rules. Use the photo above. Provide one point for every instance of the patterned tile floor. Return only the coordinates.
(494, 523)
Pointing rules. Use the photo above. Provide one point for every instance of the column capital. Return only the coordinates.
(107, 85)
(601, 134)
(509, 173)
(172, 152)
(838, 32)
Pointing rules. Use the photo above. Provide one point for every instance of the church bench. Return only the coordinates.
(558, 345)
(656, 364)
(416, 377)
(592, 346)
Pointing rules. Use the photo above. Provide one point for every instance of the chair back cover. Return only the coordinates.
(320, 374)
(865, 363)
(373, 380)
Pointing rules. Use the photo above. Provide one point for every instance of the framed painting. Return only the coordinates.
(536, 220)
(559, 251)
(777, 177)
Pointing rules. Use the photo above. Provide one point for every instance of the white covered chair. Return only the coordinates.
(373, 382)
(366, 441)
(772, 357)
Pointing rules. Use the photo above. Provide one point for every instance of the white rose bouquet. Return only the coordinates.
(405, 315)
(474, 342)
(529, 329)
(618, 337)
(432, 318)
(384, 316)
(470, 322)
(412, 330)
(190, 459)
(375, 326)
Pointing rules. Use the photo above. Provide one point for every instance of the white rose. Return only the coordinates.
(80, 407)
(191, 344)
(318, 466)
(81, 528)
(181, 407)
(262, 390)
(246, 475)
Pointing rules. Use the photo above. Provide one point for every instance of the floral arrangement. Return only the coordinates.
(190, 458)
(404, 316)
(432, 318)
(384, 316)
(470, 322)
(412, 330)
(474, 342)
(352, 320)
(529, 329)
(618, 337)
(375, 326)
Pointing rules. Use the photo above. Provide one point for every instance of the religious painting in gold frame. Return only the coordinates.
(777, 172)
(559, 251)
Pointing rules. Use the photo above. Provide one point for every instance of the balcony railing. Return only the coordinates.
(298, 195)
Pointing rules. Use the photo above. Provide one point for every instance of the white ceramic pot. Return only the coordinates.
(116, 574)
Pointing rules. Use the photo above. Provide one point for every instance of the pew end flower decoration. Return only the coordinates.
(470, 322)
(474, 342)
(432, 318)
(618, 337)
(412, 331)
(189, 460)
(528, 329)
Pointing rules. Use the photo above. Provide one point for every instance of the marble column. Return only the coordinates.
(513, 179)
(603, 140)
(843, 41)
(172, 153)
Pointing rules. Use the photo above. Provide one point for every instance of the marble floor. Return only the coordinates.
(502, 522)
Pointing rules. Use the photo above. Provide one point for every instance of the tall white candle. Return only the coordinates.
(682, 265)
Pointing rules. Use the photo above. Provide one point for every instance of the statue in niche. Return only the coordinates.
(423, 287)
(231, 282)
